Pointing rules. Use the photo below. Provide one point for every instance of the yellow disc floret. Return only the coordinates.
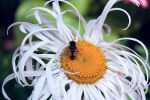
(89, 61)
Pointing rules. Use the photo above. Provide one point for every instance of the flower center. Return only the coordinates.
(88, 60)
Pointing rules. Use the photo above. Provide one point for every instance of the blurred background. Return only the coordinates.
(17, 10)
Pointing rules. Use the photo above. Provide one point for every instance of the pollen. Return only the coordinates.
(89, 61)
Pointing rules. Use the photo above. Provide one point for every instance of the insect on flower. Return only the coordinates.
(72, 48)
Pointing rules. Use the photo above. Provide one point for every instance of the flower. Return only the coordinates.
(62, 65)
(143, 3)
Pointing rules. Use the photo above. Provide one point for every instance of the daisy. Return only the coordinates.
(63, 65)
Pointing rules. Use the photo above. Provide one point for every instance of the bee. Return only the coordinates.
(72, 48)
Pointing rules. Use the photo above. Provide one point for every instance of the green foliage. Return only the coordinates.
(110, 37)
(24, 10)
(81, 5)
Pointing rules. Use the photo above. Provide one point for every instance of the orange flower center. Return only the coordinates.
(88, 60)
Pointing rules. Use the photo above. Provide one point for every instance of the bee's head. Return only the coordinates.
(72, 43)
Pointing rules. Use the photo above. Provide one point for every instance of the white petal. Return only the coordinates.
(22, 29)
(38, 87)
(7, 79)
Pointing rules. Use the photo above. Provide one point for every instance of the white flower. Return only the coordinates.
(90, 69)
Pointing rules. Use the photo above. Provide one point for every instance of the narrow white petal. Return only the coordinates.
(129, 18)
(38, 87)
(7, 79)
(22, 28)
(26, 56)
(36, 14)
(133, 39)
